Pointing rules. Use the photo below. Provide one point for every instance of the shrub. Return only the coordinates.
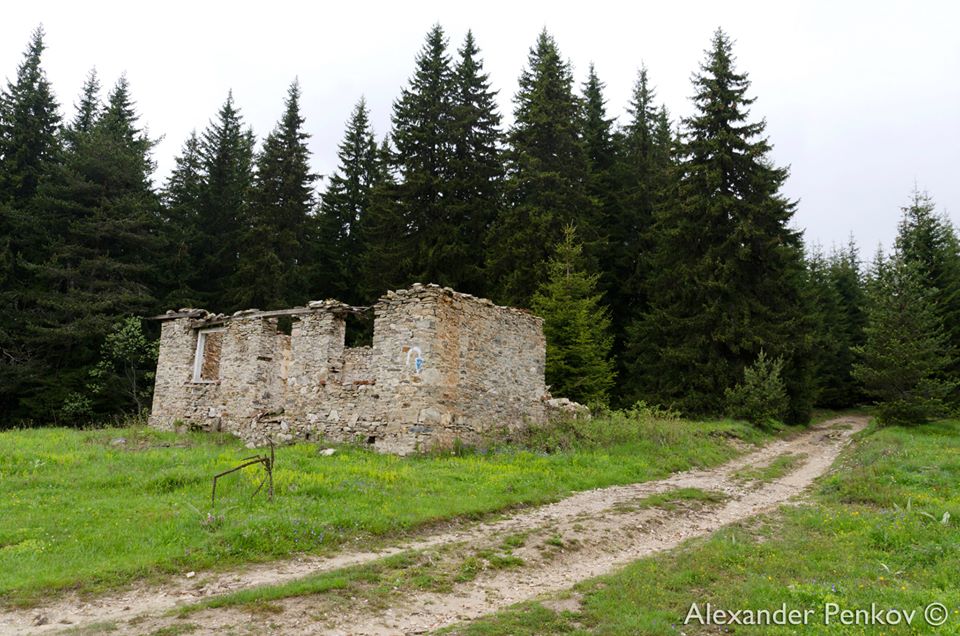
(604, 429)
(124, 375)
(761, 398)
(76, 407)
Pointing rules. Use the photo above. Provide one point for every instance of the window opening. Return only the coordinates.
(285, 324)
(206, 361)
(359, 330)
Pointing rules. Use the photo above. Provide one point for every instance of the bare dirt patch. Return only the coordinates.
(582, 536)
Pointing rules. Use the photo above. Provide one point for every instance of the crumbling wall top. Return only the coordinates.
(204, 318)
(418, 291)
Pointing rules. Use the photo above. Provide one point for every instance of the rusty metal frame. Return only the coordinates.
(250, 461)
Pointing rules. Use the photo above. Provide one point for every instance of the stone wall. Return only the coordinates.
(443, 366)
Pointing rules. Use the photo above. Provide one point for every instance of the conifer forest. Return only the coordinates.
(660, 251)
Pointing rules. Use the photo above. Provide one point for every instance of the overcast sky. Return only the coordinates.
(862, 99)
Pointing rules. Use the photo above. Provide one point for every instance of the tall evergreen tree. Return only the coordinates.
(226, 157)
(423, 142)
(88, 109)
(642, 175)
(343, 210)
(835, 299)
(119, 122)
(475, 183)
(442, 186)
(388, 237)
(181, 197)
(928, 240)
(905, 353)
(728, 271)
(601, 144)
(547, 178)
(103, 265)
(276, 247)
(30, 149)
(576, 324)
(18, 361)
(29, 127)
(598, 132)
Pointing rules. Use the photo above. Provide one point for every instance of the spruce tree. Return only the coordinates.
(181, 197)
(824, 304)
(388, 239)
(30, 149)
(207, 215)
(19, 362)
(601, 143)
(928, 240)
(226, 157)
(836, 301)
(598, 132)
(475, 184)
(761, 398)
(642, 174)
(88, 109)
(905, 353)
(104, 264)
(442, 183)
(272, 272)
(547, 176)
(343, 211)
(576, 324)
(727, 274)
(423, 140)
(29, 127)
(839, 389)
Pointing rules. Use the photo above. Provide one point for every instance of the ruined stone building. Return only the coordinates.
(442, 366)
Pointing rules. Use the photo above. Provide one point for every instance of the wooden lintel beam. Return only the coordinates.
(173, 316)
(295, 311)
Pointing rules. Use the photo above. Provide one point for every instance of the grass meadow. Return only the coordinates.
(81, 510)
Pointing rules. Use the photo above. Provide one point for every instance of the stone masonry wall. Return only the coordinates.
(443, 366)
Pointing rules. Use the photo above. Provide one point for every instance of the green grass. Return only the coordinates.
(176, 630)
(824, 414)
(372, 584)
(93, 629)
(875, 532)
(374, 574)
(672, 499)
(78, 512)
(776, 469)
(409, 572)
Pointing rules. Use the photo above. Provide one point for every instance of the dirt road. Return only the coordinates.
(585, 535)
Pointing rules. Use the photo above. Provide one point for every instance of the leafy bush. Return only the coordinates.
(76, 407)
(761, 398)
(126, 366)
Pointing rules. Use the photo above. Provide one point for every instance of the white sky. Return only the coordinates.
(862, 99)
